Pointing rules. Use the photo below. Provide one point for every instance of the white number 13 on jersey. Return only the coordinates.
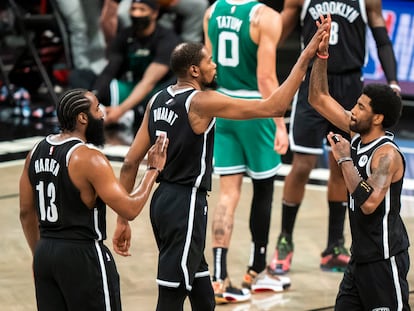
(48, 198)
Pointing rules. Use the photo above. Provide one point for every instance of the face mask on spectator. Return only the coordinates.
(140, 23)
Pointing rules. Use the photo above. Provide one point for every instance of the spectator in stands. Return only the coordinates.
(138, 65)
(185, 17)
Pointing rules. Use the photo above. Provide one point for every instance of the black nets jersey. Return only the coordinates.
(61, 212)
(381, 234)
(347, 46)
(189, 155)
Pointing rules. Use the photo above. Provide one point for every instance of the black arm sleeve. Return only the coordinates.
(385, 53)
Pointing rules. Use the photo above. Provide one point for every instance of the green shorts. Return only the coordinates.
(120, 90)
(245, 147)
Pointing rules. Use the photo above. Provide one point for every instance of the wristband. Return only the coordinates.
(154, 168)
(322, 56)
(395, 86)
(362, 193)
(344, 159)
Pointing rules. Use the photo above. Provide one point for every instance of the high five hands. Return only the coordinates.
(322, 51)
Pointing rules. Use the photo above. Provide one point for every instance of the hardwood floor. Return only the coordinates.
(311, 288)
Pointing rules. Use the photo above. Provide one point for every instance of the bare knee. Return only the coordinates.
(302, 165)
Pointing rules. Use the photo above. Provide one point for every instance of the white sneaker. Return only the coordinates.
(268, 282)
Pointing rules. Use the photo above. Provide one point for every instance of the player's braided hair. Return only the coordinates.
(70, 104)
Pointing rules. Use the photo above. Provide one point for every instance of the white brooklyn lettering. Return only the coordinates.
(334, 8)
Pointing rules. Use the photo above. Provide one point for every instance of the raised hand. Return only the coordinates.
(324, 44)
(321, 35)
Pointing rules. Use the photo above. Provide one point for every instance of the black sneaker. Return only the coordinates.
(225, 292)
(335, 258)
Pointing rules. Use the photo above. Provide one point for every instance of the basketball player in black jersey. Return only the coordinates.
(308, 129)
(185, 113)
(64, 187)
(373, 168)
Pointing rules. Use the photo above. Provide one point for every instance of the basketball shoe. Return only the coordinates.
(248, 279)
(335, 258)
(225, 292)
(265, 281)
(282, 258)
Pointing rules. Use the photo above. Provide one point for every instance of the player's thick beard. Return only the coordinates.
(212, 85)
(95, 131)
(361, 127)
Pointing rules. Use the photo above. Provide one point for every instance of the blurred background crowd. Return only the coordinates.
(47, 46)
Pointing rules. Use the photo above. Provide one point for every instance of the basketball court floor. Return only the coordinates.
(311, 288)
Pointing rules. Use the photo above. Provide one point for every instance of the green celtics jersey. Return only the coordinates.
(234, 52)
